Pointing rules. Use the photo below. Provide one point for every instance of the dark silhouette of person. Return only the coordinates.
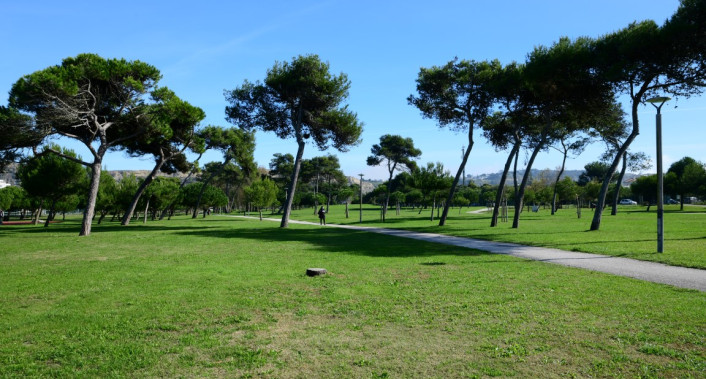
(322, 216)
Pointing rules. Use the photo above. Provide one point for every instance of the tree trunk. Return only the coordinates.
(293, 184)
(140, 190)
(35, 221)
(556, 182)
(520, 195)
(596, 222)
(103, 214)
(514, 174)
(51, 210)
(433, 205)
(147, 208)
(501, 185)
(92, 196)
(346, 209)
(461, 168)
(618, 185)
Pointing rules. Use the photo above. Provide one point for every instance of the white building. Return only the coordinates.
(3, 184)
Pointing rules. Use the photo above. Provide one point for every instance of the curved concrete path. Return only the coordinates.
(690, 278)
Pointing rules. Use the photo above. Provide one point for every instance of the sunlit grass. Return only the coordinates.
(228, 297)
(632, 233)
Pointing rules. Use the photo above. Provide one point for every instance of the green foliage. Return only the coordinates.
(170, 129)
(99, 102)
(566, 190)
(51, 177)
(107, 194)
(125, 191)
(686, 177)
(18, 132)
(281, 168)
(262, 193)
(7, 195)
(88, 87)
(162, 192)
(645, 188)
(299, 98)
(593, 171)
(457, 94)
(235, 144)
(211, 196)
(397, 152)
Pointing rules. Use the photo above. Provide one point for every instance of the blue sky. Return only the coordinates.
(205, 47)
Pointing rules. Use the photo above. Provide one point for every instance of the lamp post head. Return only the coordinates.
(658, 100)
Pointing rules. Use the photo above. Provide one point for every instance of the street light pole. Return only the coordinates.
(657, 102)
(463, 154)
(361, 198)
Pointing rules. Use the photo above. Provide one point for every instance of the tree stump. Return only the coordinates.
(315, 271)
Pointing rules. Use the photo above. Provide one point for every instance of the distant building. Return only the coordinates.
(4, 184)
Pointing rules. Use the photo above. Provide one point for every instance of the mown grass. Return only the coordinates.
(224, 297)
(632, 233)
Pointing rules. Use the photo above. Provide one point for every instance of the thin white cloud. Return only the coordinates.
(208, 53)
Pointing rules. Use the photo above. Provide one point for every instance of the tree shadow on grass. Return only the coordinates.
(74, 227)
(335, 240)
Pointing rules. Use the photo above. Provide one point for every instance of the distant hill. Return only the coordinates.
(368, 185)
(118, 175)
(494, 179)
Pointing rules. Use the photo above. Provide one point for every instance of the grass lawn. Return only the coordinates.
(632, 233)
(227, 297)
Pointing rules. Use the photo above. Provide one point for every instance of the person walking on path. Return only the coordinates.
(322, 216)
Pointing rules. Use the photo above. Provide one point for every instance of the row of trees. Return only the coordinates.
(56, 184)
(562, 95)
(567, 93)
(113, 105)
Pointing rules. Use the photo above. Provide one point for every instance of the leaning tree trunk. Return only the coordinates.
(140, 190)
(596, 222)
(556, 182)
(35, 220)
(521, 194)
(51, 211)
(147, 208)
(442, 219)
(103, 214)
(501, 185)
(618, 185)
(293, 184)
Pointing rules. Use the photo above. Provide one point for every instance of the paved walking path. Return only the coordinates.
(683, 277)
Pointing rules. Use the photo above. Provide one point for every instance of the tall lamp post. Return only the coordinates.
(463, 154)
(361, 198)
(657, 102)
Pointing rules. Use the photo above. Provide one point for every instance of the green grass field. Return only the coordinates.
(632, 233)
(228, 297)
